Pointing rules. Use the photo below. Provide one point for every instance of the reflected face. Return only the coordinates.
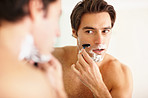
(46, 28)
(95, 29)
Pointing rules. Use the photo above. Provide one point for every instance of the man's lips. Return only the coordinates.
(98, 51)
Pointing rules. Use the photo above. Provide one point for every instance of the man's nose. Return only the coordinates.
(98, 38)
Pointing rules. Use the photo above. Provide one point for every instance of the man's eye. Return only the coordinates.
(89, 31)
(106, 31)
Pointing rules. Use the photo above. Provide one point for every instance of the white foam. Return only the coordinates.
(96, 57)
(30, 52)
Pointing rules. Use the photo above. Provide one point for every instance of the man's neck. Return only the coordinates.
(12, 34)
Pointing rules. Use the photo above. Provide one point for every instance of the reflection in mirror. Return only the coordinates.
(122, 53)
(127, 45)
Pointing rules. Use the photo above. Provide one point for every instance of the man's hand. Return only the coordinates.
(88, 72)
(53, 70)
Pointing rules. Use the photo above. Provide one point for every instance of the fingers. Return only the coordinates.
(73, 67)
(83, 62)
(31, 62)
(79, 74)
(78, 70)
(55, 63)
(87, 57)
(43, 66)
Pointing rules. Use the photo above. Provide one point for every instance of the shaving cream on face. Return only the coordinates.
(79, 45)
(96, 57)
(30, 52)
(27, 47)
(102, 46)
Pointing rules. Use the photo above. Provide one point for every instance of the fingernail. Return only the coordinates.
(83, 50)
(80, 51)
(72, 65)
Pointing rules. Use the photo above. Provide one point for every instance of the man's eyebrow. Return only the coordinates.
(107, 27)
(87, 27)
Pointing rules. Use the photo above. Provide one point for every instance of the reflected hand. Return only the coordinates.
(53, 70)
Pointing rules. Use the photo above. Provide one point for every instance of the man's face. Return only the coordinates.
(46, 28)
(38, 44)
(95, 29)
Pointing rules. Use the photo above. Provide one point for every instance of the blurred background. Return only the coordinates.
(129, 38)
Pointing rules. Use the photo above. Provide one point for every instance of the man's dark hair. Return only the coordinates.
(90, 6)
(13, 10)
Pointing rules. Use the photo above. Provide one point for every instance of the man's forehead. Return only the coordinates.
(98, 20)
(95, 28)
(96, 15)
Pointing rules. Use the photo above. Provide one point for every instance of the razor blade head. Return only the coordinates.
(85, 45)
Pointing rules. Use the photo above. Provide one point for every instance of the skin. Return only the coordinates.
(84, 78)
(20, 79)
(48, 25)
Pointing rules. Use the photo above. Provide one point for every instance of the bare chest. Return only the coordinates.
(74, 87)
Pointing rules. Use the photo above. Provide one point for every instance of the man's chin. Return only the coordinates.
(96, 57)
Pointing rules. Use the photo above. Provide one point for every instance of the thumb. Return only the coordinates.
(55, 63)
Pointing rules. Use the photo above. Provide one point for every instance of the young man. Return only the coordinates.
(27, 32)
(88, 70)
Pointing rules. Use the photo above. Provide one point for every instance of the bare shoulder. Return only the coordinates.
(58, 51)
(120, 75)
(21, 80)
(62, 53)
(116, 65)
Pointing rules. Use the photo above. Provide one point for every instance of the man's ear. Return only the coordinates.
(35, 9)
(74, 33)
